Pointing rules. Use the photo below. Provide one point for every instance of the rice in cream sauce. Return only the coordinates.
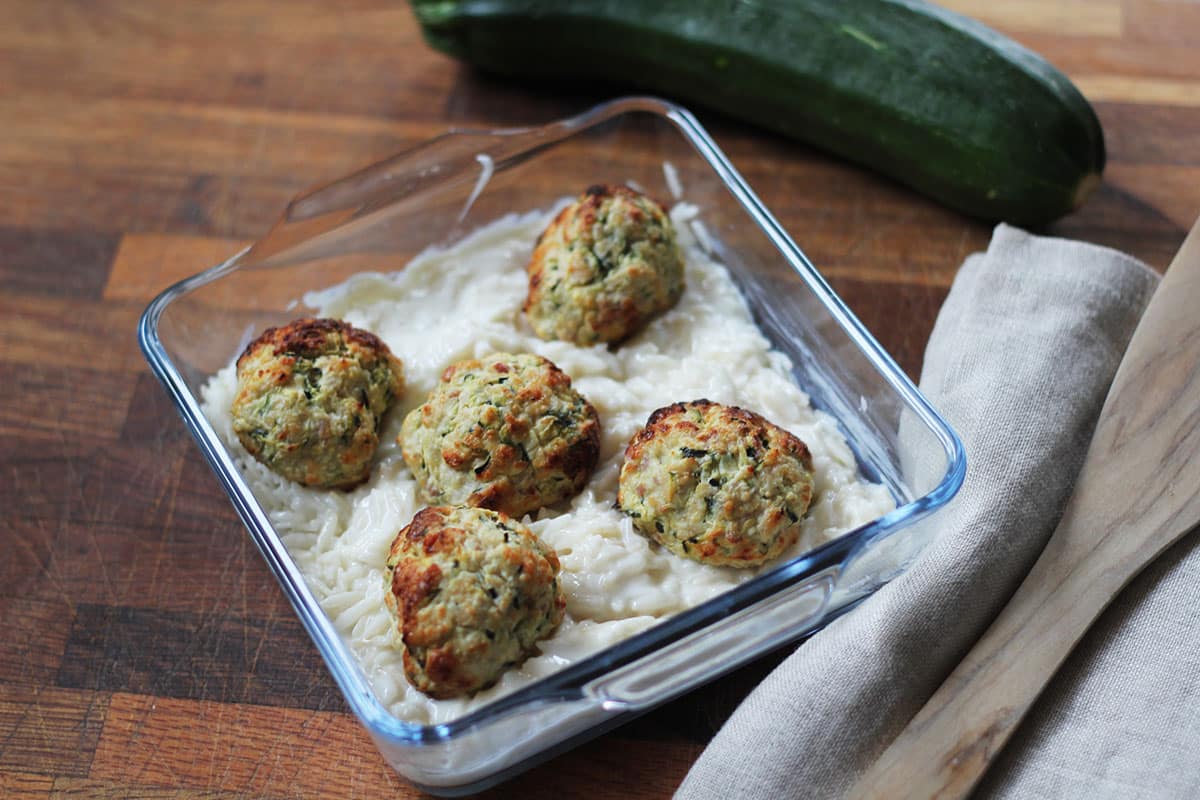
(464, 302)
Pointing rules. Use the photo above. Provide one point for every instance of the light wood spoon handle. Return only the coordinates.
(1138, 492)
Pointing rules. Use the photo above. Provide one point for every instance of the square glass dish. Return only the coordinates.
(437, 194)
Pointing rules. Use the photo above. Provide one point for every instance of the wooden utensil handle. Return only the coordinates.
(1137, 492)
(947, 746)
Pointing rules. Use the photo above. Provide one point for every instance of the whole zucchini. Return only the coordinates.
(928, 97)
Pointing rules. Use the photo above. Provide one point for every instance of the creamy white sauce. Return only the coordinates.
(465, 301)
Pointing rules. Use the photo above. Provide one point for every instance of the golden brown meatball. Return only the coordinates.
(473, 591)
(506, 432)
(311, 398)
(716, 483)
(604, 267)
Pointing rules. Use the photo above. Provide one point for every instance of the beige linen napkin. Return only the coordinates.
(1019, 362)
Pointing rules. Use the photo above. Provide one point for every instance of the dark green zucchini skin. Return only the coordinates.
(931, 98)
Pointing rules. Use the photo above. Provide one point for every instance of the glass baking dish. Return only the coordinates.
(436, 194)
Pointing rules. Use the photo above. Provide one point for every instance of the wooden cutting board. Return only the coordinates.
(145, 650)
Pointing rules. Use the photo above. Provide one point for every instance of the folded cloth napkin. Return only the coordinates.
(1019, 362)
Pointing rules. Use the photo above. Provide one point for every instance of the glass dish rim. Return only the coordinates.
(567, 684)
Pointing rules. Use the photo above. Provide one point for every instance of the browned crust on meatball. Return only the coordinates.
(717, 484)
(474, 440)
(472, 591)
(310, 337)
(596, 277)
(311, 399)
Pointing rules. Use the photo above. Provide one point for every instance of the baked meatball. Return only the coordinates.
(605, 265)
(716, 483)
(505, 432)
(311, 397)
(473, 591)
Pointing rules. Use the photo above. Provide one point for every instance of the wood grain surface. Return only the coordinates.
(145, 650)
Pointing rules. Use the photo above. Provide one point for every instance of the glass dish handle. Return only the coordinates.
(734, 641)
(339, 217)
(330, 220)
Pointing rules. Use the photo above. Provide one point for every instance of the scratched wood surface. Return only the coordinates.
(145, 650)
